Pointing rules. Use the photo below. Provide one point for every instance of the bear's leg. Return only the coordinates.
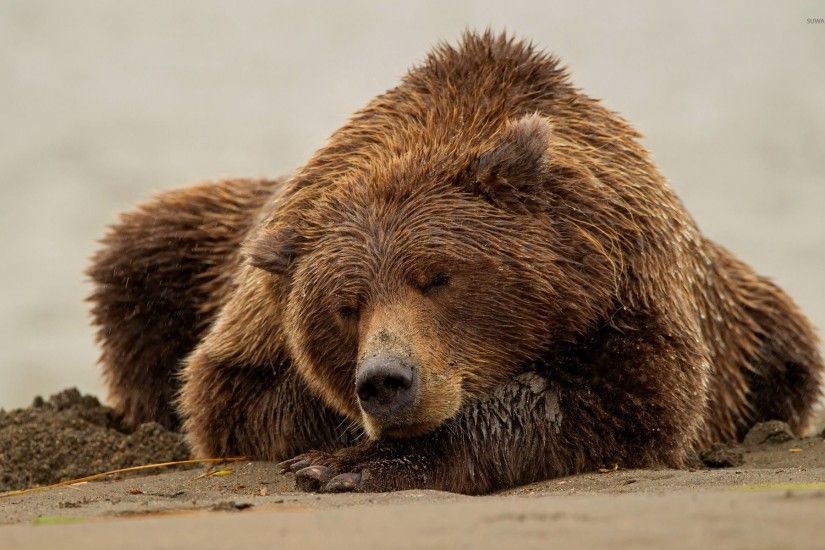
(157, 283)
(784, 383)
(633, 400)
(240, 395)
(262, 412)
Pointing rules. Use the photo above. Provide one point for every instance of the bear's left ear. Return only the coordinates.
(512, 173)
(273, 249)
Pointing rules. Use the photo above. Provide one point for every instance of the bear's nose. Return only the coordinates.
(386, 386)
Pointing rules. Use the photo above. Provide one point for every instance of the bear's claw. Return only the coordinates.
(343, 483)
(313, 478)
(293, 464)
(320, 472)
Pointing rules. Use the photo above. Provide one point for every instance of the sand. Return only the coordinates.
(768, 492)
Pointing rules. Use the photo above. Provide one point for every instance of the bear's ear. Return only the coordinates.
(513, 171)
(273, 249)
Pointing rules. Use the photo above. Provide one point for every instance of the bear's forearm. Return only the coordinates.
(589, 414)
(529, 430)
(532, 429)
(266, 413)
(514, 436)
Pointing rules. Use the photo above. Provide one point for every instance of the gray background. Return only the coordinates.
(103, 103)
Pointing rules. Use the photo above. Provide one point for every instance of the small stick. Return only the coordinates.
(101, 475)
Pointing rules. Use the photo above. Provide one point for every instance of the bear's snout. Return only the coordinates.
(387, 386)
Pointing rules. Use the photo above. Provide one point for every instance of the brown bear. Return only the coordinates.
(481, 280)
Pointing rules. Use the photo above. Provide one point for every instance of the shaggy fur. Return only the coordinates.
(501, 230)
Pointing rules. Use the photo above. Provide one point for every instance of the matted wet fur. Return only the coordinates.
(492, 226)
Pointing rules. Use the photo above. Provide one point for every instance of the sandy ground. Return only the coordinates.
(775, 499)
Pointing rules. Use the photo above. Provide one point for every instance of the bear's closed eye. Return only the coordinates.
(439, 280)
(348, 312)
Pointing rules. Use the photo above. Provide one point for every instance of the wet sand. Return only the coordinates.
(776, 498)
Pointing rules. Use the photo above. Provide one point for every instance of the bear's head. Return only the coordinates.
(416, 283)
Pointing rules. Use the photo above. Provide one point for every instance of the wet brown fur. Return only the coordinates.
(586, 322)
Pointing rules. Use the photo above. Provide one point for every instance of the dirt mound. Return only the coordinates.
(73, 435)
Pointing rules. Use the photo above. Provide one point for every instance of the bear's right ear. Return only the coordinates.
(512, 173)
(273, 249)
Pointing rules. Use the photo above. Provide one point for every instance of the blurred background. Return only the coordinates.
(104, 103)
